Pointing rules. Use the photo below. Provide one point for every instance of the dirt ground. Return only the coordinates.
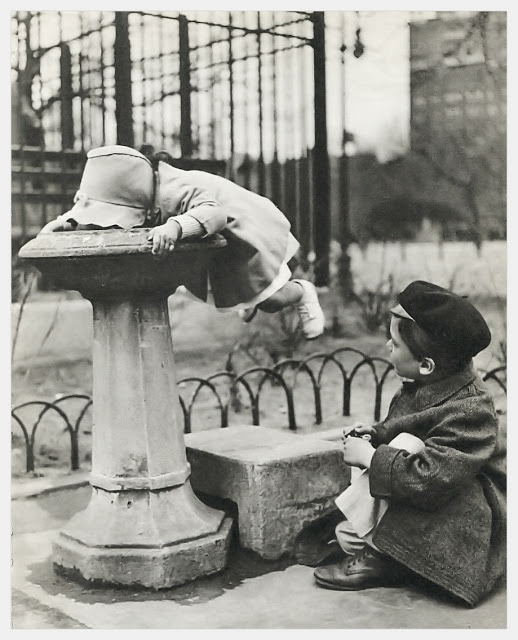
(266, 343)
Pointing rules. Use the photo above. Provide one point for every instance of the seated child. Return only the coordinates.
(120, 188)
(431, 497)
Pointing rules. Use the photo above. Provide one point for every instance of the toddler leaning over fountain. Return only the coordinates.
(121, 188)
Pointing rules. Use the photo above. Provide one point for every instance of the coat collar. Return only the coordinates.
(434, 393)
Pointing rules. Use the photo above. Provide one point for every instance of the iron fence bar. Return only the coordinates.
(239, 380)
(74, 448)
(81, 89)
(186, 416)
(286, 128)
(306, 185)
(202, 382)
(267, 53)
(303, 42)
(82, 415)
(246, 140)
(246, 30)
(325, 357)
(84, 34)
(185, 88)
(21, 133)
(231, 96)
(379, 381)
(123, 92)
(47, 407)
(268, 372)
(321, 175)
(230, 375)
(297, 150)
(143, 81)
(162, 73)
(260, 162)
(42, 184)
(102, 69)
(29, 451)
(303, 366)
(194, 92)
(274, 167)
(74, 431)
(90, 75)
(344, 266)
(346, 388)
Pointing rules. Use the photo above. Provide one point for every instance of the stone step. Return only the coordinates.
(279, 480)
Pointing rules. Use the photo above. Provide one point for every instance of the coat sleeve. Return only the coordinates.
(379, 427)
(179, 196)
(461, 441)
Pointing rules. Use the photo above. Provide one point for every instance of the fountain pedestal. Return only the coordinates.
(143, 524)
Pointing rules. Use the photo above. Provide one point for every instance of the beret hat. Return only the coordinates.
(449, 319)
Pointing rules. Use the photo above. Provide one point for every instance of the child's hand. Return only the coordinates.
(361, 429)
(357, 452)
(56, 225)
(164, 237)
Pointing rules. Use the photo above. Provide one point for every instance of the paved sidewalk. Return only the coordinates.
(250, 594)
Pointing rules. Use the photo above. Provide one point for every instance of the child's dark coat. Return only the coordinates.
(447, 514)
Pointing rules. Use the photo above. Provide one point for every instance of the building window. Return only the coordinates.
(453, 111)
(452, 97)
(474, 110)
(475, 96)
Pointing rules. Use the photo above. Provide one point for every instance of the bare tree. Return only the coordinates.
(465, 145)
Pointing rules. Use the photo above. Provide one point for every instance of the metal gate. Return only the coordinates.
(245, 89)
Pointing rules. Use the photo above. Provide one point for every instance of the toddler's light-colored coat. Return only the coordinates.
(257, 232)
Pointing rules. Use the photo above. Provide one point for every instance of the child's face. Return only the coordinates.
(404, 362)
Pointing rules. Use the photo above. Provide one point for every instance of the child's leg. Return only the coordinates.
(364, 566)
(301, 294)
(286, 296)
(349, 541)
(362, 510)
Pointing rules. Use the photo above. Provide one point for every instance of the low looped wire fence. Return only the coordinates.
(29, 434)
(253, 384)
(226, 393)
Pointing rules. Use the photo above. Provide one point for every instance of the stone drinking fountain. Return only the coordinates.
(143, 525)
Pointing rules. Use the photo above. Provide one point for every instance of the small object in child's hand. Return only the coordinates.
(354, 434)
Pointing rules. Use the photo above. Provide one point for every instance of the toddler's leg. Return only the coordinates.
(286, 296)
(303, 295)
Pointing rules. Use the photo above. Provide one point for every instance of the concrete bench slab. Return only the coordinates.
(279, 480)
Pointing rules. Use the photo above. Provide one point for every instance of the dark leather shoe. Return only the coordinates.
(364, 570)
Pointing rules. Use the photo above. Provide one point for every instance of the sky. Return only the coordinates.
(377, 83)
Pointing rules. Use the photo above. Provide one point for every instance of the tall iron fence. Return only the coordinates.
(246, 88)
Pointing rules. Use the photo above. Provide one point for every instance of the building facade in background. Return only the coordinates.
(458, 66)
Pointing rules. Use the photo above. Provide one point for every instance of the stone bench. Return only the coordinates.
(279, 480)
